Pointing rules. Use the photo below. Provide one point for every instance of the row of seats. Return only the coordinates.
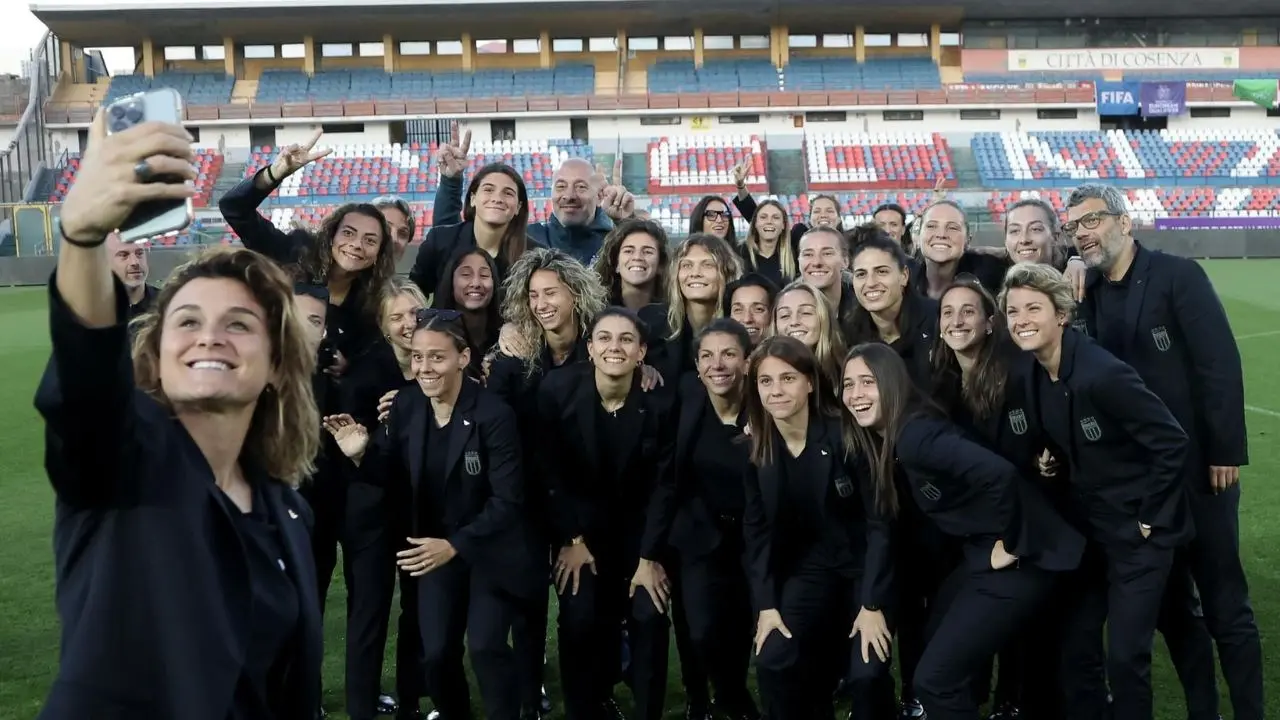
(208, 166)
(195, 88)
(1148, 204)
(1193, 157)
(802, 74)
(362, 172)
(902, 159)
(282, 86)
(705, 163)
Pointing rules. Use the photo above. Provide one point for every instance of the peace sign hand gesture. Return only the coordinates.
(742, 171)
(296, 156)
(452, 156)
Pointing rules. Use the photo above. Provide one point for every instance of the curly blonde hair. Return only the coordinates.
(284, 435)
(589, 296)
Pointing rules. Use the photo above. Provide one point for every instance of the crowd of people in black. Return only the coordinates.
(826, 450)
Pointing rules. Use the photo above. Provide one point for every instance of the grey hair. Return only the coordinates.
(1044, 279)
(399, 203)
(1050, 213)
(1109, 194)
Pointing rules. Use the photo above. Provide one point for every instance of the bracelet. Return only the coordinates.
(271, 176)
(87, 245)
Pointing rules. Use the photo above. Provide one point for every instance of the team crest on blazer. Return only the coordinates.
(930, 492)
(1018, 421)
(471, 462)
(844, 487)
(1080, 324)
(1161, 336)
(1092, 431)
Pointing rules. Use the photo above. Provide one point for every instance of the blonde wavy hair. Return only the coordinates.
(727, 263)
(589, 296)
(284, 435)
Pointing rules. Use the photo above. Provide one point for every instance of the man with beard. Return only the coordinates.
(129, 263)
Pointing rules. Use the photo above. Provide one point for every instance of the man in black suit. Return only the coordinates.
(1159, 313)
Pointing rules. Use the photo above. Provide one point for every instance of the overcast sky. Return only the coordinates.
(23, 31)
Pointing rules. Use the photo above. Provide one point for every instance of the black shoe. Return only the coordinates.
(386, 705)
(912, 710)
(544, 702)
(1007, 711)
(609, 710)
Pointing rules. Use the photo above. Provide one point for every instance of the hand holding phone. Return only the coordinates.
(152, 218)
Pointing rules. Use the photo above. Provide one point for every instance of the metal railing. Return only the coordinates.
(30, 148)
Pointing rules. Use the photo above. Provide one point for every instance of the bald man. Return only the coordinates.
(584, 205)
(129, 263)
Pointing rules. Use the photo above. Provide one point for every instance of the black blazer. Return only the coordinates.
(769, 553)
(569, 455)
(348, 329)
(1179, 340)
(684, 517)
(671, 358)
(153, 587)
(917, 331)
(970, 492)
(989, 269)
(484, 494)
(441, 242)
(1125, 449)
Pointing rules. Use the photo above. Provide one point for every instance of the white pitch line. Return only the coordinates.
(1251, 336)
(1262, 411)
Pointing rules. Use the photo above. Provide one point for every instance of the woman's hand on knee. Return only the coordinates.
(769, 621)
(873, 630)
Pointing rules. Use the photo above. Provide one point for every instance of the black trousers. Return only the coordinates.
(453, 605)
(590, 627)
(694, 673)
(1124, 595)
(1214, 559)
(922, 566)
(977, 612)
(529, 640)
(370, 572)
(797, 675)
(716, 599)
(1182, 624)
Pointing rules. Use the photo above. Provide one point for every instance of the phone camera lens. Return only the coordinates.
(117, 112)
(134, 115)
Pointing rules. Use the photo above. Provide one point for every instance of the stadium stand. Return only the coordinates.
(704, 163)
(801, 74)
(1192, 157)
(196, 88)
(363, 172)
(283, 86)
(838, 160)
(208, 166)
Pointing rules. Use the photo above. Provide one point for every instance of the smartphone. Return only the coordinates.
(160, 217)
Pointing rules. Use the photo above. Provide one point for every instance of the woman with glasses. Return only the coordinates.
(712, 216)
(453, 452)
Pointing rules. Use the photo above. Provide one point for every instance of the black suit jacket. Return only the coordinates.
(484, 490)
(152, 579)
(1125, 449)
(917, 331)
(970, 492)
(771, 554)
(1179, 340)
(569, 455)
(682, 510)
(441, 242)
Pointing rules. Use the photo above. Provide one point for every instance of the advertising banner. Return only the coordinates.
(1218, 223)
(1118, 98)
(1163, 99)
(1124, 59)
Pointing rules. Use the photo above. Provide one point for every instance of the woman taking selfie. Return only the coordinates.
(185, 579)
(1013, 542)
(807, 532)
(452, 451)
(1125, 452)
(605, 445)
(352, 253)
(632, 264)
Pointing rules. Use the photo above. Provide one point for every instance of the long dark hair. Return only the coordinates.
(698, 219)
(516, 238)
(900, 400)
(606, 265)
(316, 259)
(861, 327)
(983, 395)
(444, 299)
(797, 355)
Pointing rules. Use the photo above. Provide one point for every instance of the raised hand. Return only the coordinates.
(451, 157)
(742, 170)
(351, 436)
(297, 156)
(618, 204)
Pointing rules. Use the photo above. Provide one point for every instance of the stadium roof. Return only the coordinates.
(206, 22)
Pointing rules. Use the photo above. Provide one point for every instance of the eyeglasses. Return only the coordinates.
(426, 315)
(1089, 222)
(717, 215)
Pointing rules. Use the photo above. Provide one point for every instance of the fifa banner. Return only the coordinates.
(1118, 98)
(1163, 99)
(1218, 223)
